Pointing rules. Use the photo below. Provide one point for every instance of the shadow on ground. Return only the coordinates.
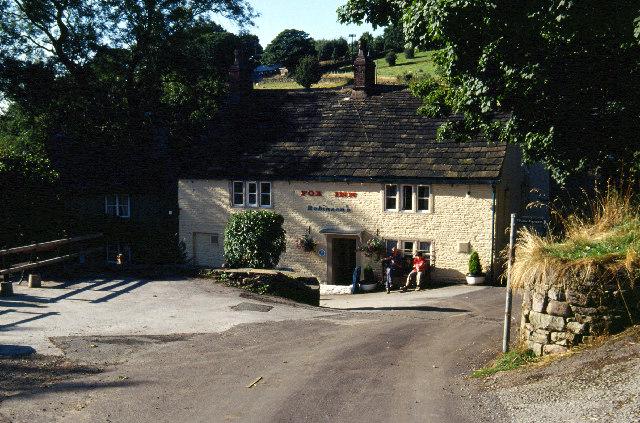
(27, 373)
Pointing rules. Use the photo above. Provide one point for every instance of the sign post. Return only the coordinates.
(507, 308)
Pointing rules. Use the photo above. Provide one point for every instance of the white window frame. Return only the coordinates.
(260, 194)
(402, 198)
(245, 194)
(404, 249)
(120, 204)
(234, 192)
(396, 197)
(425, 252)
(256, 193)
(429, 199)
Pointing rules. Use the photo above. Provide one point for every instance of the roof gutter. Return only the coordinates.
(443, 181)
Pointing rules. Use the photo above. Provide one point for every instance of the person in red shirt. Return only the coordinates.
(420, 265)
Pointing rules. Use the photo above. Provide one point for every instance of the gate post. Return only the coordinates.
(6, 287)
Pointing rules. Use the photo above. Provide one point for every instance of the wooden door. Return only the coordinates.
(343, 260)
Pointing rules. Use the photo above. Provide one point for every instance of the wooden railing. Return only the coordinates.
(45, 247)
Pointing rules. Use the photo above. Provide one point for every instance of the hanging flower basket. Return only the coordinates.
(306, 243)
(374, 247)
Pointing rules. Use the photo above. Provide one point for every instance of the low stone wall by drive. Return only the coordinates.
(555, 319)
(271, 282)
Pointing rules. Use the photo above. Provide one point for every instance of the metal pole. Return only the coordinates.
(507, 307)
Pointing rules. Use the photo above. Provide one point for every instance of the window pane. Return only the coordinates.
(425, 247)
(110, 200)
(265, 194)
(238, 193)
(391, 194)
(391, 244)
(407, 197)
(253, 199)
(252, 187)
(123, 205)
(408, 248)
(423, 198)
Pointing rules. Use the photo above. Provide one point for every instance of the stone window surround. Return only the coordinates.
(245, 194)
(400, 200)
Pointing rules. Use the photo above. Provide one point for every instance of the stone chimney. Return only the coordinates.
(240, 81)
(364, 72)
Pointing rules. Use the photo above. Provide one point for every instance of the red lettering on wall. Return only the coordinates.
(311, 193)
(342, 194)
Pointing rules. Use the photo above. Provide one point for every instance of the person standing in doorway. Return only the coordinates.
(392, 264)
(419, 271)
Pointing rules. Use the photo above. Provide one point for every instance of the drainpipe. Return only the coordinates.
(493, 228)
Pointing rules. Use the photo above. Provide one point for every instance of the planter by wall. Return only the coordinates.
(475, 280)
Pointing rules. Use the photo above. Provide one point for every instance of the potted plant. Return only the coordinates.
(369, 282)
(475, 276)
(306, 243)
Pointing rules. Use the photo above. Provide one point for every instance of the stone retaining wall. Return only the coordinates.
(555, 319)
(297, 288)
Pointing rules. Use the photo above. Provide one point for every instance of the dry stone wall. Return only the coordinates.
(556, 319)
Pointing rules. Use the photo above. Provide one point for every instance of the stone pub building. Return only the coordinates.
(345, 166)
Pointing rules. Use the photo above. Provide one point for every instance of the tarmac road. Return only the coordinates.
(404, 365)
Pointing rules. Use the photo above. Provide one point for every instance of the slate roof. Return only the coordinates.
(325, 135)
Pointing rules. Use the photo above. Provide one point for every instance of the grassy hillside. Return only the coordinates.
(420, 66)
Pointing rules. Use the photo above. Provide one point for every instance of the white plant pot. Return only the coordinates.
(475, 280)
(368, 287)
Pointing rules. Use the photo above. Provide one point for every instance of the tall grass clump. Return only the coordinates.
(599, 247)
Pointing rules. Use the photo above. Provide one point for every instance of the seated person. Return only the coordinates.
(420, 265)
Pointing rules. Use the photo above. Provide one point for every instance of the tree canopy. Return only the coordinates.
(288, 47)
(88, 85)
(558, 78)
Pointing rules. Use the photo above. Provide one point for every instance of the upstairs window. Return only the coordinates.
(391, 197)
(407, 198)
(117, 205)
(238, 193)
(424, 193)
(265, 194)
(251, 194)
